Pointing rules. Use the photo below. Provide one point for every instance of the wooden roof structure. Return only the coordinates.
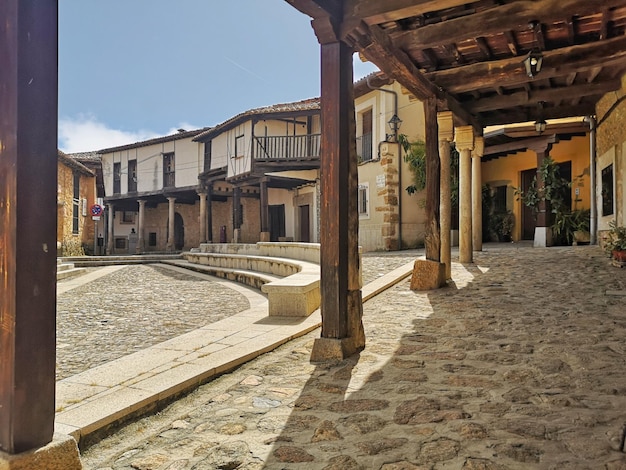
(469, 54)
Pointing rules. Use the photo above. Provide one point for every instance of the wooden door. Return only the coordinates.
(277, 222)
(304, 224)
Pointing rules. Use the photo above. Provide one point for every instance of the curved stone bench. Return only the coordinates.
(295, 293)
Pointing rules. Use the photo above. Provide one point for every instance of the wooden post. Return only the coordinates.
(543, 231)
(341, 304)
(432, 240)
(265, 215)
(28, 194)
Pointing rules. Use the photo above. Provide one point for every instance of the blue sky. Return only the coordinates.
(130, 70)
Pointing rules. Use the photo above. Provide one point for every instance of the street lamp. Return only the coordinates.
(394, 124)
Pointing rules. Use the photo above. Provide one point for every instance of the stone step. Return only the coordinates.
(66, 272)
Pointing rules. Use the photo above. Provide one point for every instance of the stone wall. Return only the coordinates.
(65, 195)
(611, 150)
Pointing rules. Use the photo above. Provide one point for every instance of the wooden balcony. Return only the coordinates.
(286, 148)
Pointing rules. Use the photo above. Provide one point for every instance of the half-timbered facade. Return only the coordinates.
(260, 174)
(152, 203)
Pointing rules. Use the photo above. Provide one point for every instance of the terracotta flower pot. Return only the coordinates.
(619, 255)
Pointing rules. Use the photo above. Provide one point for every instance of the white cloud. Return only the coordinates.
(85, 133)
(362, 69)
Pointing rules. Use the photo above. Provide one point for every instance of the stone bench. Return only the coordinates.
(295, 293)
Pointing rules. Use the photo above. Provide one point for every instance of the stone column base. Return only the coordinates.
(428, 275)
(236, 235)
(331, 349)
(543, 237)
(60, 454)
(265, 236)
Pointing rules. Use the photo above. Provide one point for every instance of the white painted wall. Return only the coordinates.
(187, 165)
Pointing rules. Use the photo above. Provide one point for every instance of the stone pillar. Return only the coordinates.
(464, 138)
(391, 208)
(446, 135)
(111, 234)
(341, 304)
(477, 194)
(203, 218)
(209, 218)
(28, 189)
(170, 224)
(141, 228)
(264, 205)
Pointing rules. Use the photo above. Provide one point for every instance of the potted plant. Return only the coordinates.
(616, 242)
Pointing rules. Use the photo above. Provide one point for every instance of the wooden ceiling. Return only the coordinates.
(468, 55)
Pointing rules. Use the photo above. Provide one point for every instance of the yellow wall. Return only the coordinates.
(507, 170)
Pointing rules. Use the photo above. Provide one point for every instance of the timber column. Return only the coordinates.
(341, 303)
(543, 230)
(141, 228)
(477, 194)
(170, 224)
(265, 217)
(28, 159)
(464, 138)
(446, 135)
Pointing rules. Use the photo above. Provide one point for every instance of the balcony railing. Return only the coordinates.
(364, 147)
(287, 147)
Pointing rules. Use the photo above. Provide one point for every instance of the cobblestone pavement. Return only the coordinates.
(519, 364)
(117, 314)
(133, 308)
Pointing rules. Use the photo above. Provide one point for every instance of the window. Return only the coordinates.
(128, 217)
(239, 146)
(499, 199)
(76, 204)
(364, 141)
(117, 178)
(207, 155)
(169, 180)
(607, 190)
(132, 176)
(363, 201)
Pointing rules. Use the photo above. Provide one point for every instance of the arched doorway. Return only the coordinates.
(179, 232)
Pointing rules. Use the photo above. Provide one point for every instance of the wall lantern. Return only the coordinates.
(532, 63)
(534, 59)
(394, 124)
(540, 126)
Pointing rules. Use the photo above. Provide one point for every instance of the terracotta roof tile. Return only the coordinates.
(304, 105)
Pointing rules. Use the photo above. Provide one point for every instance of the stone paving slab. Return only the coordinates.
(93, 400)
(517, 364)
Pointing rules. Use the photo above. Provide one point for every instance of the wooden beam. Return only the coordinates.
(398, 65)
(28, 194)
(511, 16)
(523, 115)
(510, 72)
(376, 12)
(535, 96)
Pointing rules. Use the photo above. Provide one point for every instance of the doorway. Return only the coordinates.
(305, 224)
(277, 222)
